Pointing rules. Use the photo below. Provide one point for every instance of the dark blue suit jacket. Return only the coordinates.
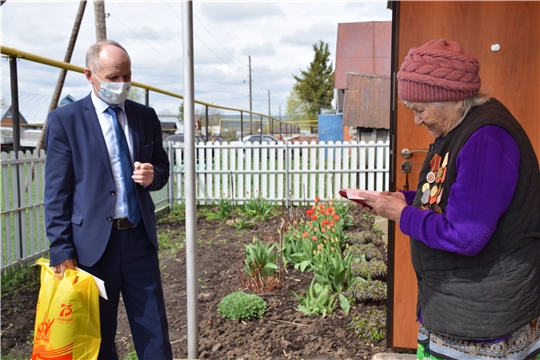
(79, 188)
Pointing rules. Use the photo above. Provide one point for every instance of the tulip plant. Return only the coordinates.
(317, 244)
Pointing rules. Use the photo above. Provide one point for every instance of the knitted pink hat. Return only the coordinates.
(439, 70)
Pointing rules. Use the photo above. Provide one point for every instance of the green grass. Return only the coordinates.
(171, 242)
(20, 277)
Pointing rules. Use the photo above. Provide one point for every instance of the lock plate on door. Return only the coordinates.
(406, 167)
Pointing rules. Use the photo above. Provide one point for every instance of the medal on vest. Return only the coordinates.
(432, 190)
(425, 197)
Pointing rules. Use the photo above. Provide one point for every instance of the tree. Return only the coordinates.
(214, 115)
(136, 94)
(315, 86)
(295, 107)
(180, 115)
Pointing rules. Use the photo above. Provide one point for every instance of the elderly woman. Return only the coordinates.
(474, 220)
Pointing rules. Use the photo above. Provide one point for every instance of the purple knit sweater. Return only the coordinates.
(487, 173)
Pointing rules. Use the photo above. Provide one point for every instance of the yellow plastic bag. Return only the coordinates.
(67, 316)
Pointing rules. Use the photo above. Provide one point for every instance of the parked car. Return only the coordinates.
(260, 138)
(179, 138)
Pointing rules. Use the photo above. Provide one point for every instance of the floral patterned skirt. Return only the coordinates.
(523, 344)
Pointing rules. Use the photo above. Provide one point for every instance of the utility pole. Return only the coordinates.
(101, 27)
(250, 99)
(269, 103)
(63, 72)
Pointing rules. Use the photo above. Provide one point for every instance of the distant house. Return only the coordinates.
(362, 79)
(33, 111)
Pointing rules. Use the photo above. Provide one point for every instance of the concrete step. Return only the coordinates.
(392, 356)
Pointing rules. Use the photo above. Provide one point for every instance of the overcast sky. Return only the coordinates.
(279, 37)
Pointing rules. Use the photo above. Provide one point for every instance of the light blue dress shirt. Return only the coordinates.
(106, 123)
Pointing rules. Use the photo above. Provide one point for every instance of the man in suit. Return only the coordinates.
(98, 210)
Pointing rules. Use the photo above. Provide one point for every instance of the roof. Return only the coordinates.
(35, 108)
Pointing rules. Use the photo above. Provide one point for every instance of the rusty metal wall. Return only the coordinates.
(362, 47)
(367, 101)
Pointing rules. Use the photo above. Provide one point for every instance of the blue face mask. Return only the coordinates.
(113, 93)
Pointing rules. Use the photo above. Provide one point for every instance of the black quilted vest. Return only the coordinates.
(494, 293)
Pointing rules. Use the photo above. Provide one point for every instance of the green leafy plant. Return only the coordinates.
(367, 290)
(241, 222)
(370, 327)
(364, 237)
(260, 267)
(322, 229)
(261, 257)
(368, 251)
(243, 306)
(258, 208)
(342, 209)
(225, 209)
(374, 269)
(320, 300)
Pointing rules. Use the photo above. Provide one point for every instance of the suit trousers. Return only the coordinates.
(130, 266)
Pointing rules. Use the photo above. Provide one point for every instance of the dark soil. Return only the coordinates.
(283, 332)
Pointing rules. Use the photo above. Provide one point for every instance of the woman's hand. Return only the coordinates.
(386, 204)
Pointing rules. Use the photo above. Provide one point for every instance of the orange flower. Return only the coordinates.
(314, 217)
(305, 234)
(323, 230)
(319, 246)
(336, 217)
(313, 238)
(317, 199)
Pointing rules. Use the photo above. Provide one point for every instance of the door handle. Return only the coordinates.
(407, 153)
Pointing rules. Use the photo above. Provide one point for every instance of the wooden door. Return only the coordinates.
(511, 74)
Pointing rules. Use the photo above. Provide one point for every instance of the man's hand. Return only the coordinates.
(387, 204)
(143, 173)
(61, 268)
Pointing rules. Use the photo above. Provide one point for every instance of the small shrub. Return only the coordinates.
(374, 290)
(374, 269)
(364, 237)
(239, 305)
(371, 327)
(367, 251)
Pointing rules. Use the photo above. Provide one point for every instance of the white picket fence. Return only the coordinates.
(285, 173)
